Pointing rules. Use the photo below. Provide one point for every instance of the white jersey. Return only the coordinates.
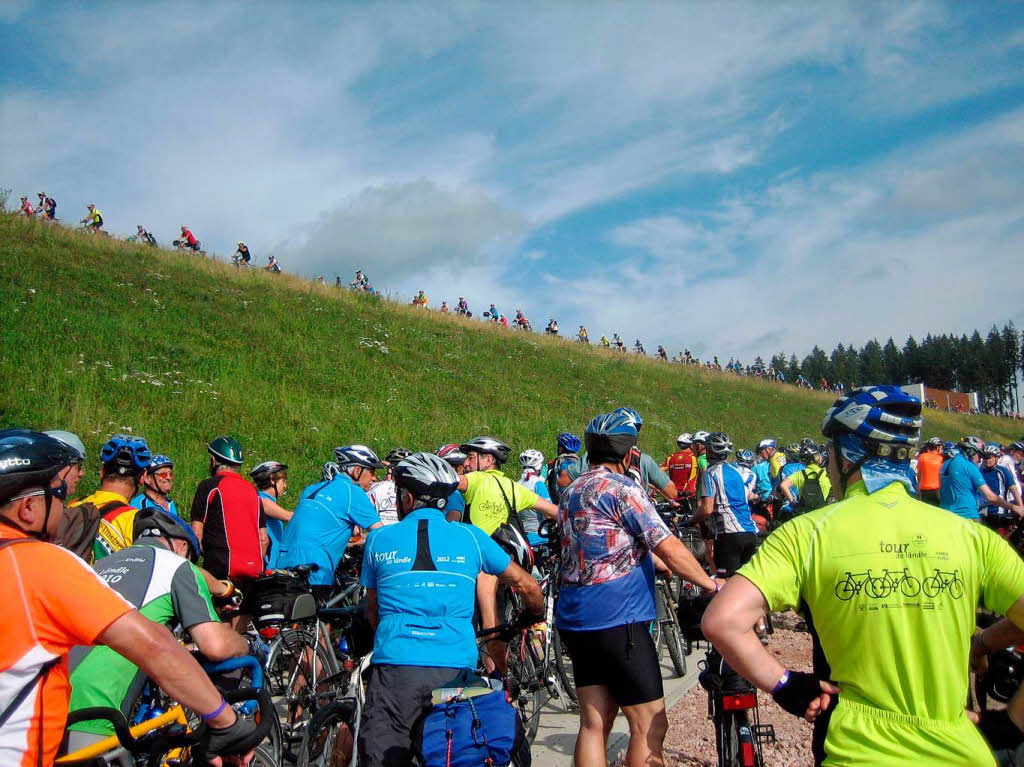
(1011, 466)
(384, 497)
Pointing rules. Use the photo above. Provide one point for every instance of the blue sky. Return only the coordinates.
(736, 179)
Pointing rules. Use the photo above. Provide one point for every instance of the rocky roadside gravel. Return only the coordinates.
(691, 737)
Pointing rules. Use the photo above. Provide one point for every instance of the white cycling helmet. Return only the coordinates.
(531, 459)
(357, 455)
(685, 439)
(68, 438)
(701, 436)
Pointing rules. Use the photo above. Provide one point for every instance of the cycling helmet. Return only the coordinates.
(568, 443)
(155, 523)
(808, 453)
(745, 457)
(427, 477)
(515, 545)
(70, 439)
(766, 443)
(637, 420)
(971, 445)
(488, 446)
(125, 455)
(879, 414)
(531, 459)
(452, 454)
(684, 440)
(226, 450)
(701, 436)
(934, 442)
(357, 455)
(30, 459)
(792, 451)
(806, 441)
(949, 449)
(398, 454)
(263, 474)
(329, 471)
(991, 450)
(610, 436)
(1016, 446)
(718, 444)
(160, 462)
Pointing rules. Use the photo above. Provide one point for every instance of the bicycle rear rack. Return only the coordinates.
(763, 733)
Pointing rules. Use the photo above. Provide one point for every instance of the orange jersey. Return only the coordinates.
(928, 467)
(682, 470)
(54, 601)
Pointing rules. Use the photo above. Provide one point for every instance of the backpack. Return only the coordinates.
(79, 528)
(473, 725)
(562, 463)
(811, 495)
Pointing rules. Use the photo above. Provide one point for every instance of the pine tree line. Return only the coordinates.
(988, 365)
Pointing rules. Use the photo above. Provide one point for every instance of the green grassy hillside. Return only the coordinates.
(102, 336)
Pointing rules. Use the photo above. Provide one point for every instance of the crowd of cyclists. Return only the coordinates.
(442, 539)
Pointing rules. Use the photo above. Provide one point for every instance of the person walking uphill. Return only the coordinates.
(608, 528)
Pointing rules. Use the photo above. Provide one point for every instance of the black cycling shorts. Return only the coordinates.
(621, 658)
(733, 550)
(931, 496)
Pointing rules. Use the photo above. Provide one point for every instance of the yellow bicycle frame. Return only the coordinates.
(175, 715)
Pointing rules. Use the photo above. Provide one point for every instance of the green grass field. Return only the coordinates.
(102, 336)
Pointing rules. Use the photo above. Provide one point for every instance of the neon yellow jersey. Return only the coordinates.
(800, 477)
(889, 585)
(487, 506)
(776, 462)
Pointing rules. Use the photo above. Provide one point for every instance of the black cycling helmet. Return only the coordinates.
(30, 460)
(515, 545)
(264, 474)
(488, 446)
(226, 450)
(155, 523)
(427, 478)
(357, 455)
(396, 455)
(718, 444)
(809, 453)
(934, 442)
(125, 455)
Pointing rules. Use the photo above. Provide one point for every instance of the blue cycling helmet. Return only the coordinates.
(159, 523)
(745, 457)
(125, 455)
(878, 414)
(949, 449)
(609, 437)
(568, 443)
(637, 420)
(159, 461)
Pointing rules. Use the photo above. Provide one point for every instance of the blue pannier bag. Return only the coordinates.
(473, 726)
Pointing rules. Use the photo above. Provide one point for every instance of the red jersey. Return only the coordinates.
(682, 470)
(189, 237)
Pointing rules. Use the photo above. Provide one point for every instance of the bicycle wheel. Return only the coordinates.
(296, 665)
(563, 667)
(671, 634)
(329, 740)
(524, 685)
(727, 739)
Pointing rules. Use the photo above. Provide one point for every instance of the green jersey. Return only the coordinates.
(167, 589)
(889, 587)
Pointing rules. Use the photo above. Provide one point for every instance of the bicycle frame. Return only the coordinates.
(175, 715)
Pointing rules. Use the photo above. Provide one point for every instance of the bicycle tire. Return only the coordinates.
(524, 685)
(563, 667)
(671, 633)
(321, 737)
(286, 664)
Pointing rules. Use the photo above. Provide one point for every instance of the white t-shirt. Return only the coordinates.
(384, 496)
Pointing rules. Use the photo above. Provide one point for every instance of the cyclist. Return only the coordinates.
(273, 267)
(327, 513)
(188, 240)
(762, 471)
(56, 602)
(1007, 460)
(1000, 481)
(454, 457)
(445, 309)
(74, 472)
(243, 256)
(605, 343)
(271, 480)
(617, 342)
(421, 300)
(724, 498)
(227, 516)
(492, 313)
(158, 576)
(962, 483)
(809, 488)
(745, 465)
(383, 494)
(767, 450)
(608, 529)
(585, 338)
(107, 515)
(929, 464)
(561, 468)
(157, 484)
(531, 462)
(26, 207)
(462, 307)
(552, 327)
(419, 577)
(700, 450)
(47, 206)
(682, 468)
(662, 354)
(901, 675)
(638, 347)
(93, 219)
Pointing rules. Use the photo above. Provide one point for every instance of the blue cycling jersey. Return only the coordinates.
(1000, 480)
(724, 483)
(275, 532)
(960, 480)
(424, 570)
(322, 526)
(788, 470)
(763, 478)
(143, 501)
(457, 503)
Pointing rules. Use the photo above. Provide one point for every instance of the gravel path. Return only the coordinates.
(691, 737)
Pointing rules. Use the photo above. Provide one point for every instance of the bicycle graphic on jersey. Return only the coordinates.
(888, 582)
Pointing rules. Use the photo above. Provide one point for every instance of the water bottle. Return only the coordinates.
(343, 646)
